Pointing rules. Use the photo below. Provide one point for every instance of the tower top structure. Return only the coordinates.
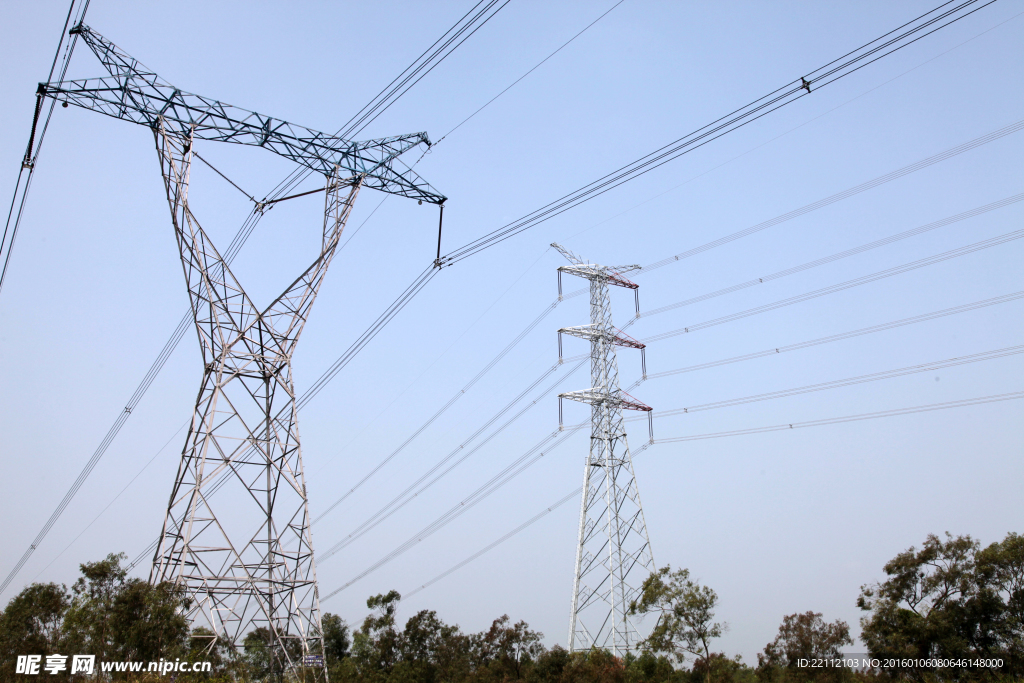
(133, 92)
(593, 271)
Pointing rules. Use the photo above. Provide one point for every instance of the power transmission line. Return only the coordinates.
(532, 325)
(964, 403)
(535, 67)
(798, 126)
(234, 247)
(845, 382)
(901, 41)
(462, 392)
(390, 508)
(459, 394)
(544, 513)
(410, 492)
(386, 97)
(382, 320)
(417, 285)
(1006, 298)
(849, 63)
(532, 456)
(831, 199)
(971, 248)
(850, 252)
(407, 495)
(28, 163)
(525, 461)
(735, 359)
(832, 289)
(899, 372)
(941, 223)
(845, 194)
(423, 66)
(850, 418)
(113, 500)
(465, 27)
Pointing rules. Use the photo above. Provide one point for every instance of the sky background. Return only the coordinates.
(775, 523)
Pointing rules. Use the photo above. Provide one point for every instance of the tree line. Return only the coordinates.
(950, 600)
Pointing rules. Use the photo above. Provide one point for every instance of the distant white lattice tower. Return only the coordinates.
(613, 551)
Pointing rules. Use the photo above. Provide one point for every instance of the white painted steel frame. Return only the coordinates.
(613, 550)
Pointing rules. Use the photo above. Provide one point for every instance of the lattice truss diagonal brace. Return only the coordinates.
(245, 558)
(613, 551)
(134, 93)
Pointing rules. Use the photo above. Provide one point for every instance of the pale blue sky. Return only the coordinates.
(776, 523)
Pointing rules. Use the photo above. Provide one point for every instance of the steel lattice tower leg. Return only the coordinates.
(613, 552)
(246, 557)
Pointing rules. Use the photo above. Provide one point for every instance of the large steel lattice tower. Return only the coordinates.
(236, 533)
(613, 551)
(246, 557)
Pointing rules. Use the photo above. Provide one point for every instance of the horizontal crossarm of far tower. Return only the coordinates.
(135, 93)
(600, 396)
(610, 274)
(611, 336)
(596, 395)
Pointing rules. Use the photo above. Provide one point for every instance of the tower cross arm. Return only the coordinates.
(611, 275)
(597, 395)
(613, 336)
(135, 93)
(614, 278)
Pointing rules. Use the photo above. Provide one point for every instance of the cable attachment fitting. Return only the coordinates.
(29, 160)
(438, 262)
(805, 84)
